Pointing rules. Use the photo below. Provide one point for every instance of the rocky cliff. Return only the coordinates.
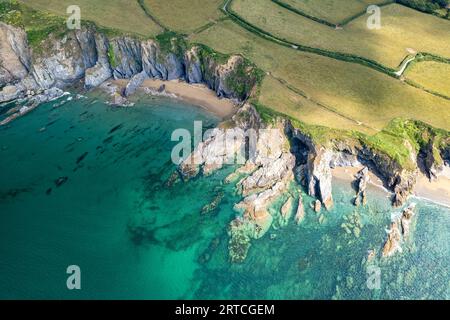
(265, 177)
(89, 56)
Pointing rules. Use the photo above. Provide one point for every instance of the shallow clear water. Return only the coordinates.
(135, 237)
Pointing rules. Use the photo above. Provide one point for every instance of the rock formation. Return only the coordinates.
(399, 232)
(286, 211)
(362, 179)
(300, 215)
(317, 206)
(393, 242)
(88, 55)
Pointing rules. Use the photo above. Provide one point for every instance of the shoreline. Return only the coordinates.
(196, 94)
(437, 191)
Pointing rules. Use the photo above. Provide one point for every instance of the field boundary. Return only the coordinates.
(323, 21)
(319, 104)
(423, 57)
(151, 17)
(330, 54)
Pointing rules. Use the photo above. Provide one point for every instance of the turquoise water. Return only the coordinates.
(135, 237)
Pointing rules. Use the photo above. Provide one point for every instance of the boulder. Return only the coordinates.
(135, 82)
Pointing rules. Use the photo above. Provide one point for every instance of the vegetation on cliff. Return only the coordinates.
(327, 98)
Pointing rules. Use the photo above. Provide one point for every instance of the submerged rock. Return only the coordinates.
(60, 181)
(214, 204)
(240, 241)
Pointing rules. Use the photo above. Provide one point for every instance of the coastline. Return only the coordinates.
(437, 191)
(195, 94)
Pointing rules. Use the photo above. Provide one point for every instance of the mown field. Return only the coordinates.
(184, 16)
(403, 30)
(124, 15)
(333, 11)
(354, 92)
(432, 75)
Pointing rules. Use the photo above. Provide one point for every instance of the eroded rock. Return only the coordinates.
(399, 232)
(300, 215)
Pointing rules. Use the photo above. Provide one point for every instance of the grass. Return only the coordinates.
(273, 93)
(106, 13)
(433, 75)
(402, 29)
(38, 25)
(184, 16)
(355, 91)
(327, 98)
(336, 12)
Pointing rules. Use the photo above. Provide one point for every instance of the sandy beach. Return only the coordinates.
(436, 191)
(196, 94)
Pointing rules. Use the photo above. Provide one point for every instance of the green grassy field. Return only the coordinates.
(432, 75)
(329, 97)
(124, 15)
(366, 96)
(333, 11)
(403, 30)
(185, 16)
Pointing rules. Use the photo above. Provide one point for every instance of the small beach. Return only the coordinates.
(196, 94)
(437, 191)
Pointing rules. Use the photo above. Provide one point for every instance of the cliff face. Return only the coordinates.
(89, 56)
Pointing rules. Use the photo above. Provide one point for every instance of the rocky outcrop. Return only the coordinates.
(317, 167)
(101, 71)
(319, 176)
(317, 206)
(300, 215)
(125, 57)
(268, 167)
(34, 102)
(194, 72)
(89, 55)
(362, 179)
(222, 146)
(399, 232)
(432, 160)
(64, 61)
(397, 178)
(286, 210)
(393, 242)
(135, 82)
(15, 59)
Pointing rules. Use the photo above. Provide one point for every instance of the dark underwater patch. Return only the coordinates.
(81, 158)
(13, 193)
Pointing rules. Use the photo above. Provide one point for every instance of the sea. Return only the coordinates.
(86, 184)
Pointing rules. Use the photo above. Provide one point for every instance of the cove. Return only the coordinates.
(135, 237)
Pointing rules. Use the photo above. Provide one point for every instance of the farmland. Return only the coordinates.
(388, 45)
(106, 13)
(353, 91)
(336, 12)
(314, 88)
(184, 16)
(431, 75)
